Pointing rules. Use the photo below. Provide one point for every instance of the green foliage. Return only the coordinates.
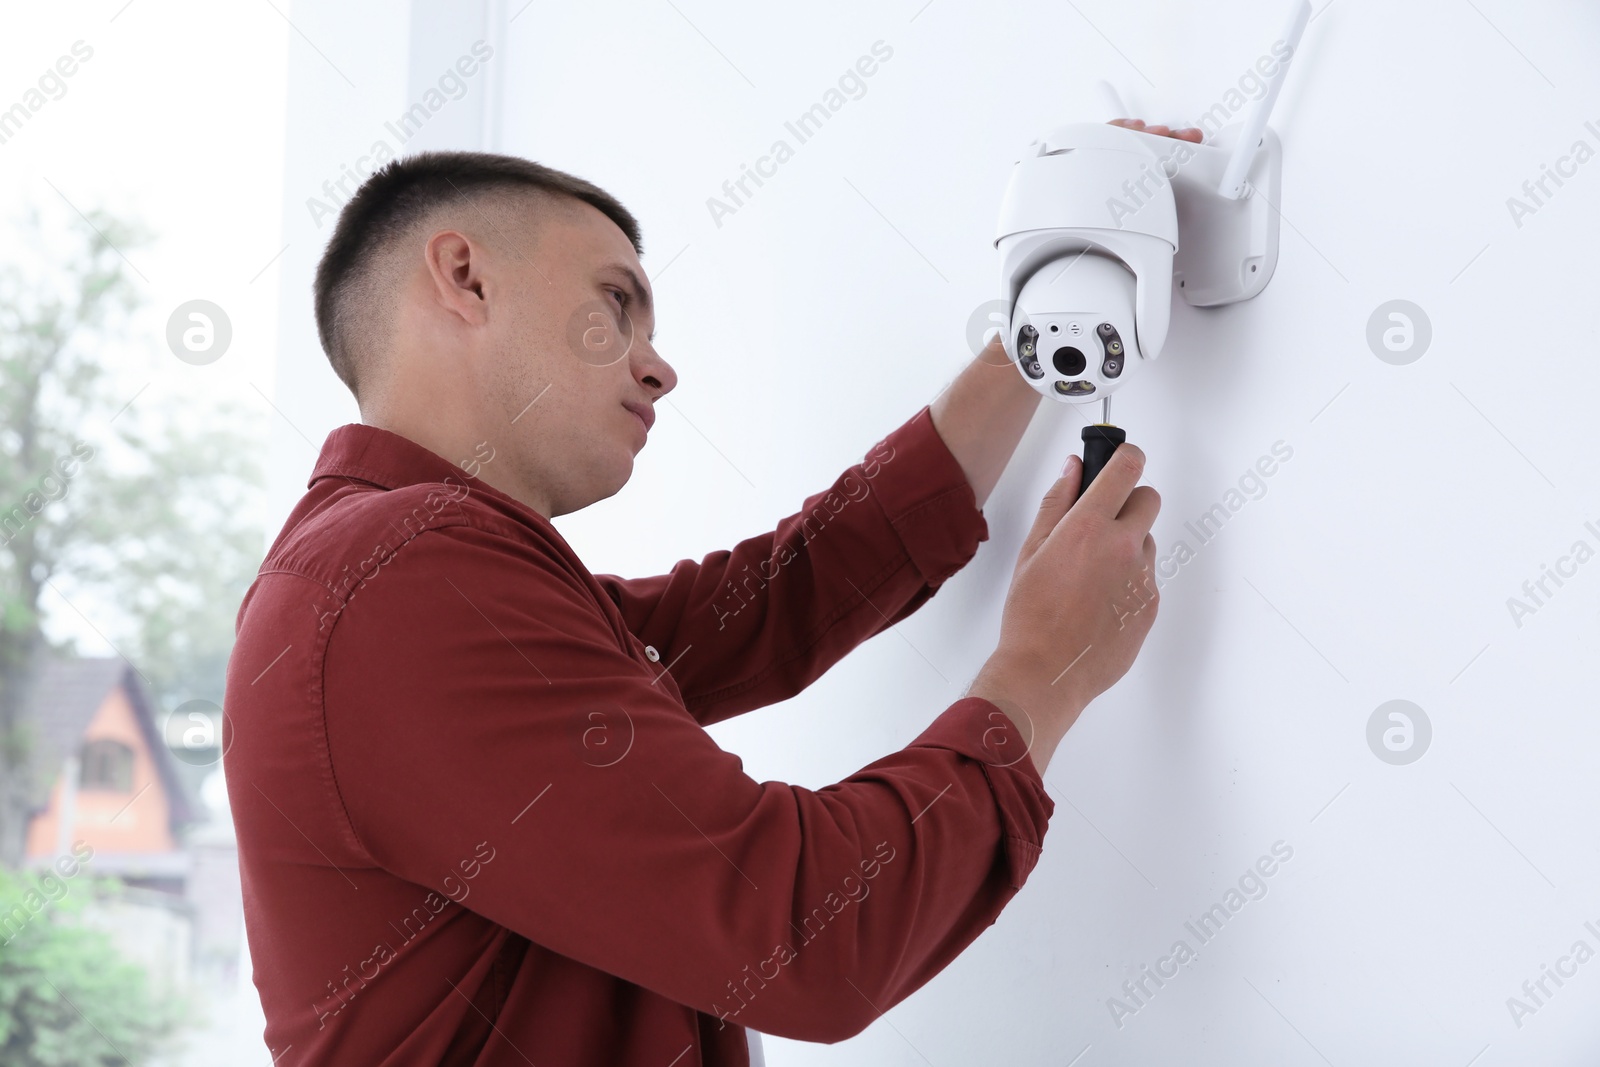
(67, 998)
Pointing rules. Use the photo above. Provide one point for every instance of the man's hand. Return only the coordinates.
(1081, 601)
(1188, 133)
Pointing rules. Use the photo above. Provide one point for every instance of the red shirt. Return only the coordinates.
(479, 818)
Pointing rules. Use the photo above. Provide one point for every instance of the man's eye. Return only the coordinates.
(622, 298)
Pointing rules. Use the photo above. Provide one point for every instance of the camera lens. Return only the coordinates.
(1069, 361)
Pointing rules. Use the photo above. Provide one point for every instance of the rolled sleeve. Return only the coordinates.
(977, 728)
(928, 501)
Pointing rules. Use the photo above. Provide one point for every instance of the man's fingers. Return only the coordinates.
(1109, 491)
(1056, 503)
(1188, 133)
(1140, 512)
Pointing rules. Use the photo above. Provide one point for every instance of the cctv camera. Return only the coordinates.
(1089, 252)
(1088, 230)
(1088, 239)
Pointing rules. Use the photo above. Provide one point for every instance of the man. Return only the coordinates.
(479, 818)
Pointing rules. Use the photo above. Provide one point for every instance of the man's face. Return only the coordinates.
(568, 357)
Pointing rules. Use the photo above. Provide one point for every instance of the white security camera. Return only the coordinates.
(1090, 294)
(1089, 240)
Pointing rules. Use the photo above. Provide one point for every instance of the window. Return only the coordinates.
(106, 765)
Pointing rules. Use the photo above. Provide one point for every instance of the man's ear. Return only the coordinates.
(455, 274)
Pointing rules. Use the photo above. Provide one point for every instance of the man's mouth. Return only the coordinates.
(645, 416)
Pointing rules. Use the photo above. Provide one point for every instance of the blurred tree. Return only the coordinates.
(144, 508)
(68, 998)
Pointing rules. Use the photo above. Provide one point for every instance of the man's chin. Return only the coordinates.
(620, 480)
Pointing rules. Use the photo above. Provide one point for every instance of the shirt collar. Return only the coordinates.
(385, 459)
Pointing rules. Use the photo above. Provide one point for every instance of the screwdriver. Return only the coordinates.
(1099, 441)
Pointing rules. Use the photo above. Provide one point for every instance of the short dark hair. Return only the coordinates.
(397, 196)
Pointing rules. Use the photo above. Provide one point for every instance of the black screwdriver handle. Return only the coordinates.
(1099, 441)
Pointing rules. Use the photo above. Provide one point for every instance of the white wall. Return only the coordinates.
(1376, 566)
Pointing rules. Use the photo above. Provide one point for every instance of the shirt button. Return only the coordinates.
(651, 654)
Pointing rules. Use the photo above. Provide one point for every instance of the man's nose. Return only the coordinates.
(655, 372)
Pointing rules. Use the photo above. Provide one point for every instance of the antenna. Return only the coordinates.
(1234, 186)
